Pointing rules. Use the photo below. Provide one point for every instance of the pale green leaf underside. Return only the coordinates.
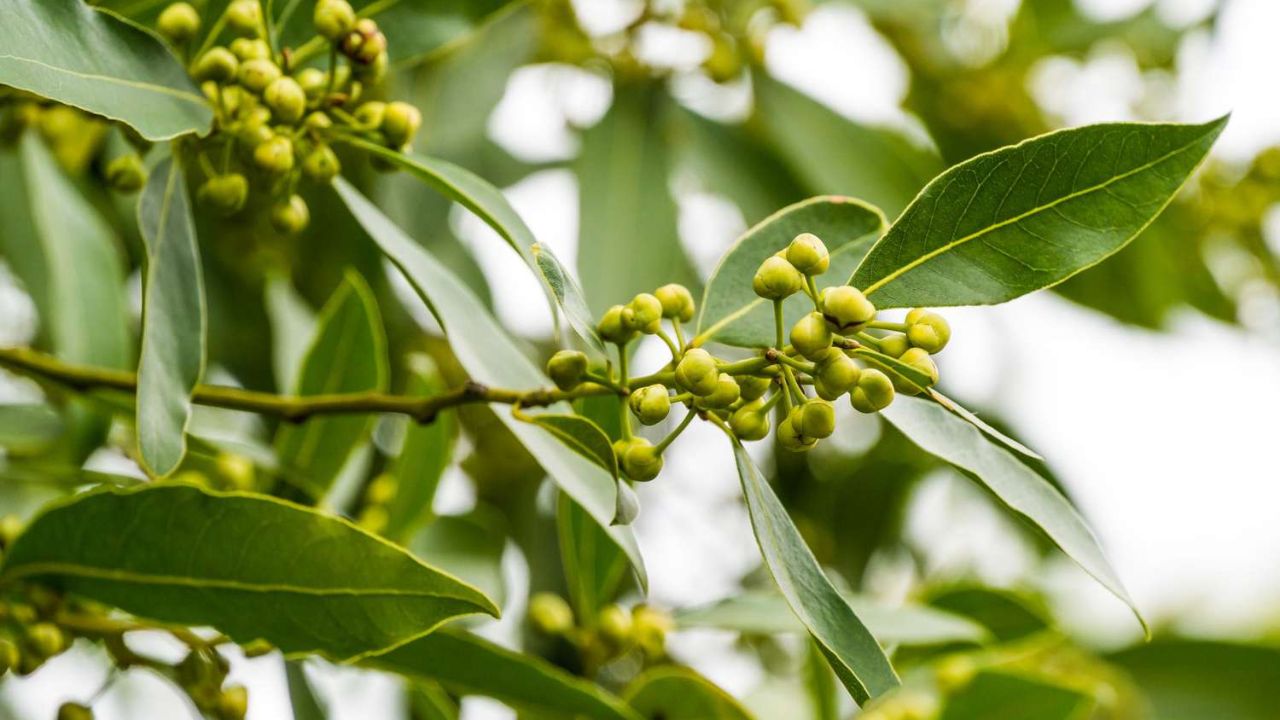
(173, 320)
(677, 693)
(1029, 216)
(28, 427)
(249, 565)
(580, 435)
(69, 52)
(847, 644)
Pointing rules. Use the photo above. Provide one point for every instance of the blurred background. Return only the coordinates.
(638, 140)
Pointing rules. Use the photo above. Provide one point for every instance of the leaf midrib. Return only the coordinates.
(150, 87)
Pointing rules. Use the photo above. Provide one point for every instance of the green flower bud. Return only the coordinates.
(179, 23)
(321, 165)
(894, 345)
(920, 360)
(236, 469)
(74, 711)
(677, 302)
(789, 438)
(59, 122)
(400, 123)
(651, 404)
(254, 131)
(373, 518)
(318, 120)
(642, 461)
(275, 155)
(250, 49)
(313, 82)
(224, 193)
(372, 73)
(649, 628)
(928, 331)
(615, 624)
(550, 614)
(364, 43)
(382, 489)
(815, 418)
(126, 173)
(776, 279)
(257, 74)
(244, 17)
(697, 372)
(233, 703)
(10, 528)
(616, 326)
(290, 216)
(334, 19)
(752, 387)
(750, 422)
(846, 308)
(834, 374)
(371, 114)
(725, 62)
(286, 99)
(44, 639)
(217, 64)
(725, 394)
(10, 656)
(810, 336)
(646, 311)
(874, 391)
(808, 254)
(566, 368)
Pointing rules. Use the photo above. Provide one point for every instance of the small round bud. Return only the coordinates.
(834, 374)
(313, 82)
(74, 711)
(646, 312)
(928, 331)
(236, 469)
(789, 438)
(400, 123)
(254, 130)
(550, 614)
(321, 165)
(179, 23)
(255, 75)
(233, 703)
(244, 17)
(616, 325)
(697, 372)
(334, 18)
(286, 99)
(10, 656)
(874, 391)
(894, 345)
(372, 73)
(45, 639)
(725, 394)
(677, 302)
(845, 307)
(808, 254)
(217, 64)
(365, 43)
(776, 279)
(318, 120)
(642, 461)
(382, 489)
(752, 387)
(566, 368)
(725, 62)
(615, 624)
(370, 115)
(373, 518)
(126, 173)
(750, 422)
(649, 628)
(651, 404)
(920, 360)
(250, 49)
(810, 336)
(224, 193)
(290, 216)
(275, 155)
(815, 418)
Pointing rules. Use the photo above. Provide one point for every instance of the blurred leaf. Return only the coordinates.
(249, 565)
(468, 547)
(627, 236)
(429, 701)
(940, 433)
(678, 693)
(733, 314)
(835, 155)
(1194, 679)
(979, 234)
(28, 428)
(69, 52)
(1008, 615)
(820, 684)
(1007, 696)
(425, 454)
(173, 320)
(594, 566)
(469, 665)
(491, 357)
(580, 435)
(347, 354)
(847, 644)
(302, 697)
(293, 323)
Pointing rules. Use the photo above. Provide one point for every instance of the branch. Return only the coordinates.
(287, 407)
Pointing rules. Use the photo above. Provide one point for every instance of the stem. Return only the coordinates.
(664, 377)
(214, 32)
(688, 417)
(675, 350)
(794, 363)
(869, 339)
(675, 325)
(811, 288)
(794, 386)
(779, 334)
(746, 367)
(624, 409)
(886, 325)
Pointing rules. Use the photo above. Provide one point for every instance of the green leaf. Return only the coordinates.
(490, 205)
(251, 566)
(678, 693)
(627, 234)
(940, 433)
(429, 701)
(733, 314)
(28, 428)
(580, 435)
(173, 320)
(293, 323)
(1195, 679)
(302, 697)
(833, 154)
(762, 613)
(1007, 614)
(469, 665)
(347, 354)
(820, 683)
(594, 566)
(894, 366)
(847, 644)
(425, 453)
(1029, 216)
(982, 425)
(69, 52)
(1009, 696)
(468, 547)
(492, 358)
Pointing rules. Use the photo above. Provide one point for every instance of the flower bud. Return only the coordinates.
(217, 64)
(373, 518)
(10, 656)
(894, 345)
(566, 368)
(244, 17)
(845, 307)
(920, 360)
(616, 325)
(725, 394)
(550, 614)
(179, 23)
(286, 99)
(642, 461)
(810, 336)
(44, 639)
(928, 331)
(400, 123)
(789, 438)
(365, 42)
(256, 74)
(250, 49)
(750, 422)
(615, 624)
(74, 711)
(646, 312)
(651, 404)
(697, 372)
(874, 391)
(236, 469)
(233, 703)
(317, 120)
(373, 72)
(290, 216)
(275, 155)
(334, 19)
(321, 165)
(677, 302)
(808, 254)
(313, 82)
(752, 387)
(834, 374)
(126, 173)
(371, 114)
(382, 489)
(776, 279)
(815, 418)
(649, 628)
(224, 193)
(254, 130)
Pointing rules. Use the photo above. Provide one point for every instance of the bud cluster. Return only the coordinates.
(615, 631)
